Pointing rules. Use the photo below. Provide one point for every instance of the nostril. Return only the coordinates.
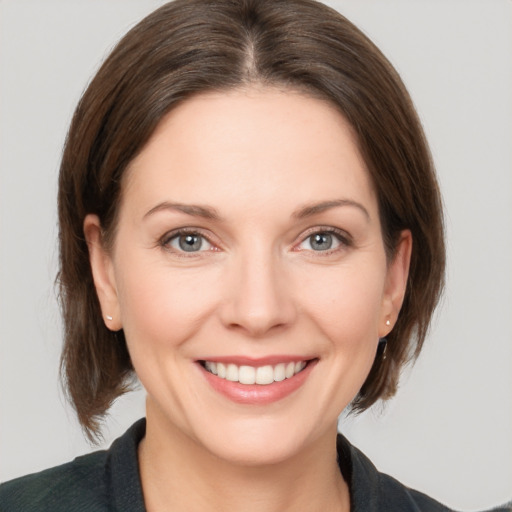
(257, 328)
(256, 300)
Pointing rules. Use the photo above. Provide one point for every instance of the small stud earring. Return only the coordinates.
(387, 322)
(109, 317)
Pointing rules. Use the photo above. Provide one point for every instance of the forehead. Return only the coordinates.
(254, 144)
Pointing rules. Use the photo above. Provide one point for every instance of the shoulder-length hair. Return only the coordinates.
(191, 46)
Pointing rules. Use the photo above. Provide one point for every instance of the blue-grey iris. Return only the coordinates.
(320, 241)
(190, 243)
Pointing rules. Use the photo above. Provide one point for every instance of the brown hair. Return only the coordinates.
(189, 46)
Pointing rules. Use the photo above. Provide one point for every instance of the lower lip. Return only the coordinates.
(256, 394)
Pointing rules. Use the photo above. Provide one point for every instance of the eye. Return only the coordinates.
(323, 241)
(320, 241)
(187, 241)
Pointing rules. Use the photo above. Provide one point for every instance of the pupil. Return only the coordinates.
(190, 243)
(321, 241)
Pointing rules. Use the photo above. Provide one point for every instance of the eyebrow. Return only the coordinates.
(207, 212)
(194, 210)
(316, 208)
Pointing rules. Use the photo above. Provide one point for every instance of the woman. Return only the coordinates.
(242, 205)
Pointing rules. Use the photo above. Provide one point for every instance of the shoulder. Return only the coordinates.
(77, 485)
(395, 494)
(100, 482)
(372, 491)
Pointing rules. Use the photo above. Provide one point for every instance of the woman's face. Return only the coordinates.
(249, 245)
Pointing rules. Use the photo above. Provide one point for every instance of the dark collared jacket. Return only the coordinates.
(108, 481)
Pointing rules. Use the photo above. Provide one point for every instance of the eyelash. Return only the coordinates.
(165, 241)
(342, 237)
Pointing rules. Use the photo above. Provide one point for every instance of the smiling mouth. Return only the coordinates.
(262, 375)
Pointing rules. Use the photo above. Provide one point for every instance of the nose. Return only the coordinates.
(258, 298)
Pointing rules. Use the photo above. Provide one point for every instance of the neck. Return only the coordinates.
(180, 475)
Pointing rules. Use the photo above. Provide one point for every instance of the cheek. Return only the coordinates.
(346, 302)
(162, 306)
(346, 308)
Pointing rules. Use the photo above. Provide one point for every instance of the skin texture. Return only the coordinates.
(256, 288)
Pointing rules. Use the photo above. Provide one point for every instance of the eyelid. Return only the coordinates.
(341, 235)
(188, 230)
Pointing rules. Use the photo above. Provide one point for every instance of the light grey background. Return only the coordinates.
(449, 430)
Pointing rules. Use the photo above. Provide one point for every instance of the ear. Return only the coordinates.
(103, 273)
(396, 284)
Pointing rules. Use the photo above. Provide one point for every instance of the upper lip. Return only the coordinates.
(257, 361)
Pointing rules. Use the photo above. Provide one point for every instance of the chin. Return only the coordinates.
(257, 448)
(262, 441)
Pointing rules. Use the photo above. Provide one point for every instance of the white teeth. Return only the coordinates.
(279, 372)
(247, 375)
(232, 372)
(221, 370)
(262, 375)
(265, 375)
(211, 367)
